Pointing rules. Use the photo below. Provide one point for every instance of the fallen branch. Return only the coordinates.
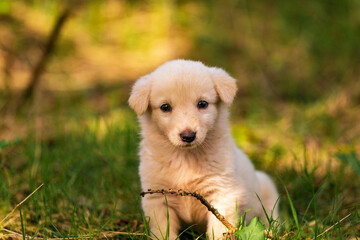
(196, 195)
(41, 63)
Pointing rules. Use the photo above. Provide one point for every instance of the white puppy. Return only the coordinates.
(182, 108)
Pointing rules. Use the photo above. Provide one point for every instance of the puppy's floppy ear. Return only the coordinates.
(140, 95)
(225, 85)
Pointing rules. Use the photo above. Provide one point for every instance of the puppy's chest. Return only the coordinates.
(191, 176)
(191, 172)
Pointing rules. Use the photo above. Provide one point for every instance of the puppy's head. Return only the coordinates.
(182, 98)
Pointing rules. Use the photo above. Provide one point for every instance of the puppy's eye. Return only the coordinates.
(202, 104)
(165, 107)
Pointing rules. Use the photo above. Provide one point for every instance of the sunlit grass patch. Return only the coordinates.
(89, 175)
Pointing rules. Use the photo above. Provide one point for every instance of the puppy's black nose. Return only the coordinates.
(188, 136)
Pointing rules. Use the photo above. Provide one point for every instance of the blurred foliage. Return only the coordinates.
(294, 51)
(351, 159)
(297, 63)
(5, 144)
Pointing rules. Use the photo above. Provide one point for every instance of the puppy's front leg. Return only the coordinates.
(156, 209)
(215, 228)
(226, 206)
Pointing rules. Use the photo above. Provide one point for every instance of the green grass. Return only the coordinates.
(88, 165)
(89, 175)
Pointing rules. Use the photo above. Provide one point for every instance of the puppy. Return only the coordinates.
(182, 109)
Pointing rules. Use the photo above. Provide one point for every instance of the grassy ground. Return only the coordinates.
(87, 162)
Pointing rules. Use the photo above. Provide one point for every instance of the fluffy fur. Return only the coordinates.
(211, 164)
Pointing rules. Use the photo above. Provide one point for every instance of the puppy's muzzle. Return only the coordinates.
(188, 136)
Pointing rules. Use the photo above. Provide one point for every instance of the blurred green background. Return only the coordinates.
(297, 64)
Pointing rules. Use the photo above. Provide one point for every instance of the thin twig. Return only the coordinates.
(196, 195)
(334, 225)
(19, 204)
(199, 236)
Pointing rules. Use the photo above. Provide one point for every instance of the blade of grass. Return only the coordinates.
(185, 231)
(315, 211)
(293, 211)
(167, 224)
(267, 216)
(58, 233)
(243, 220)
(354, 231)
(22, 225)
(37, 231)
(237, 220)
(167, 218)
(146, 225)
(102, 227)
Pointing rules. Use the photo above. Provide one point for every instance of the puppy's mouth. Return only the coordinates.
(192, 145)
(188, 145)
(184, 145)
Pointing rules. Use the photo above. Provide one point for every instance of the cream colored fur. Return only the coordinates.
(211, 165)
